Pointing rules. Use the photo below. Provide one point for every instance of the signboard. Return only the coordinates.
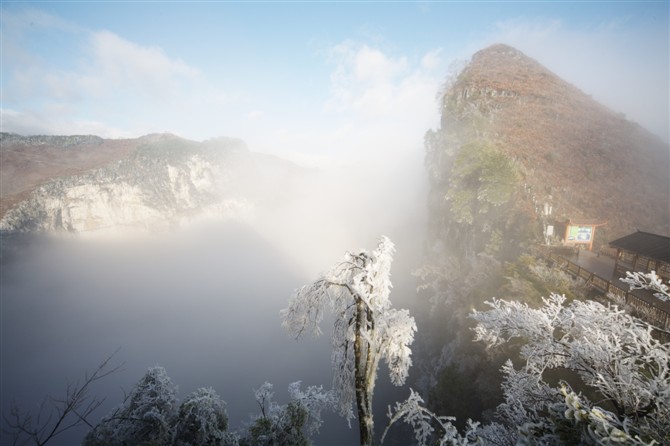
(580, 234)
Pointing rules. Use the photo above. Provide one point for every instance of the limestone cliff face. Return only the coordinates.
(162, 184)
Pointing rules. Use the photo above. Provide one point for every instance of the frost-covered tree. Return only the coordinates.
(202, 420)
(150, 415)
(314, 400)
(144, 418)
(289, 424)
(621, 368)
(366, 328)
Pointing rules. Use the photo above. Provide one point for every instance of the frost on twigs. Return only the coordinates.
(366, 328)
(202, 419)
(144, 417)
(314, 400)
(432, 429)
(412, 412)
(601, 349)
(599, 425)
(58, 415)
(613, 353)
(151, 415)
(289, 424)
(647, 281)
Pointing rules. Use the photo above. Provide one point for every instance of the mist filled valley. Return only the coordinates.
(201, 299)
(267, 232)
(205, 306)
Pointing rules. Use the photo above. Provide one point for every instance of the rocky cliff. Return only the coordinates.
(149, 184)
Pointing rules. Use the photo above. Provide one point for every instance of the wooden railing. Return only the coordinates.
(646, 310)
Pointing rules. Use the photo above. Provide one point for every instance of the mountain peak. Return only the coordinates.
(508, 62)
(501, 71)
(499, 50)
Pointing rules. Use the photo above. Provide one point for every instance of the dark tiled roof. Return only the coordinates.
(650, 245)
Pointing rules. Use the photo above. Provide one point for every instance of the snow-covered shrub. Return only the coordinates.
(144, 419)
(288, 424)
(202, 420)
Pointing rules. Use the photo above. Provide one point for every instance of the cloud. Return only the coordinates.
(365, 79)
(378, 107)
(432, 59)
(105, 76)
(26, 73)
(50, 122)
(120, 64)
(372, 83)
(111, 67)
(254, 114)
(373, 65)
(18, 22)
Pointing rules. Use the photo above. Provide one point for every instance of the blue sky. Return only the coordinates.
(311, 81)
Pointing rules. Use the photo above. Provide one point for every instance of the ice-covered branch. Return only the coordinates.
(424, 422)
(612, 352)
(57, 415)
(647, 281)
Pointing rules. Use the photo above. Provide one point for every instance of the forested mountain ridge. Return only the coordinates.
(86, 183)
(515, 136)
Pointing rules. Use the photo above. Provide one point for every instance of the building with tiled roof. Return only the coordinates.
(643, 252)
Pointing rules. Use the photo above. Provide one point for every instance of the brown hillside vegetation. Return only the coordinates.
(581, 157)
(29, 161)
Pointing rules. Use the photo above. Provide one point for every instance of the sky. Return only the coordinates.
(314, 82)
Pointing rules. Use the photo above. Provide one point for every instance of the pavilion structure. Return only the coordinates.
(643, 252)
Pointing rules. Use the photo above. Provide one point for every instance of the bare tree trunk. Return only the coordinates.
(365, 422)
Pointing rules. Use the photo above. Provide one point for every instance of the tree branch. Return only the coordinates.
(20, 423)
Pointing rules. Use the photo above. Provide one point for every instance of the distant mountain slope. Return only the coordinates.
(85, 183)
(515, 136)
(28, 161)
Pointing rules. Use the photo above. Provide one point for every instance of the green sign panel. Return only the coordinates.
(580, 234)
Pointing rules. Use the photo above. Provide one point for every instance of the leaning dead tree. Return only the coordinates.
(58, 415)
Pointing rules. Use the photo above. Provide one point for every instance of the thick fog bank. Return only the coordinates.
(347, 208)
(204, 301)
(205, 306)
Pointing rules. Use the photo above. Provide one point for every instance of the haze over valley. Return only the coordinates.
(183, 200)
(182, 254)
